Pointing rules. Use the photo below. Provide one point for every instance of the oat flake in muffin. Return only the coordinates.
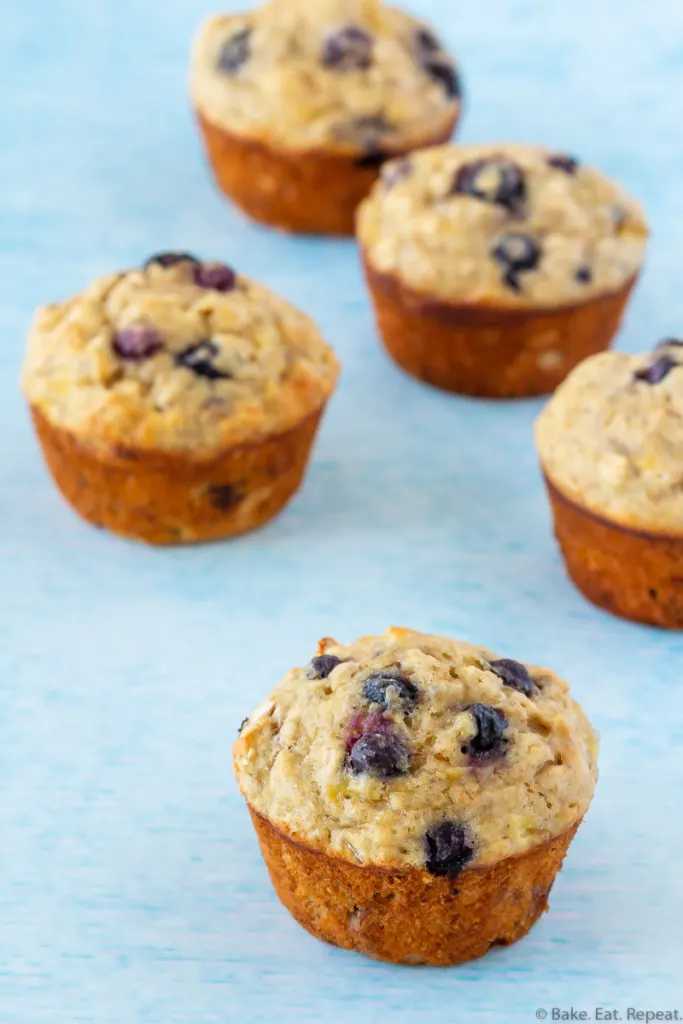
(408, 750)
(612, 437)
(504, 224)
(179, 356)
(345, 74)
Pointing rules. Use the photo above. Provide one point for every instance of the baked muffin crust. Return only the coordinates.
(347, 75)
(611, 437)
(179, 355)
(406, 750)
(503, 224)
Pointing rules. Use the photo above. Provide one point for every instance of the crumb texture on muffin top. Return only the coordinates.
(354, 75)
(503, 224)
(178, 355)
(611, 437)
(409, 750)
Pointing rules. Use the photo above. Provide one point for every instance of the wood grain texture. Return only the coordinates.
(131, 887)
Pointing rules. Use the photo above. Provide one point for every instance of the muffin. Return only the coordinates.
(301, 102)
(177, 401)
(414, 796)
(611, 447)
(495, 269)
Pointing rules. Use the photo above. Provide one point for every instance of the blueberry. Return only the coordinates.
(563, 162)
(321, 666)
(448, 848)
(349, 49)
(199, 358)
(657, 370)
(215, 276)
(367, 132)
(225, 496)
(436, 63)
(584, 275)
(496, 180)
(382, 754)
(427, 42)
(137, 342)
(669, 343)
(396, 172)
(513, 674)
(376, 688)
(489, 740)
(169, 259)
(235, 52)
(244, 722)
(516, 252)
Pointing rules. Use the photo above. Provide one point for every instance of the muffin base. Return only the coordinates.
(629, 572)
(171, 498)
(486, 351)
(307, 192)
(409, 916)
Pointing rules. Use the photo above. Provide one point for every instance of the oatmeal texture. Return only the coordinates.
(503, 224)
(353, 75)
(455, 762)
(179, 355)
(611, 437)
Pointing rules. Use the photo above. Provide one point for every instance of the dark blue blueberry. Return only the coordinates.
(374, 158)
(494, 180)
(215, 276)
(137, 342)
(657, 370)
(368, 132)
(235, 52)
(489, 740)
(449, 847)
(244, 722)
(584, 275)
(436, 63)
(169, 259)
(321, 666)
(200, 359)
(513, 674)
(376, 687)
(349, 49)
(516, 253)
(381, 754)
(563, 162)
(225, 496)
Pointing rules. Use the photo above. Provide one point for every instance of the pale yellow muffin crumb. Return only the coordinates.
(502, 224)
(314, 758)
(187, 356)
(346, 75)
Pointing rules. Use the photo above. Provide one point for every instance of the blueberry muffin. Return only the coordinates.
(495, 269)
(413, 796)
(301, 102)
(611, 446)
(177, 401)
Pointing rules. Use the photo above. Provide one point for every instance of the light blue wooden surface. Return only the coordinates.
(131, 889)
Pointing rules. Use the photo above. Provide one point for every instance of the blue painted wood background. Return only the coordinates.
(131, 889)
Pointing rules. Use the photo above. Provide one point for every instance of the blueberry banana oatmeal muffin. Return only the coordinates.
(300, 102)
(414, 796)
(177, 401)
(495, 269)
(611, 447)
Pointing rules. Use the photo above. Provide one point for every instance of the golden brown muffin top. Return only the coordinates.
(177, 355)
(502, 224)
(412, 750)
(611, 437)
(349, 75)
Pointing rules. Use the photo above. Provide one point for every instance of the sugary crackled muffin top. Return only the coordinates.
(178, 355)
(611, 437)
(348, 74)
(504, 224)
(414, 750)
